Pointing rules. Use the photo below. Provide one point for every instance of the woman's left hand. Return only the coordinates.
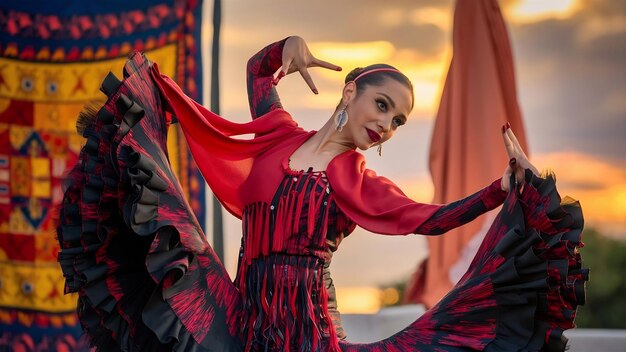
(518, 161)
(297, 57)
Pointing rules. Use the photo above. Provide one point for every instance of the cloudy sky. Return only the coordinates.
(571, 78)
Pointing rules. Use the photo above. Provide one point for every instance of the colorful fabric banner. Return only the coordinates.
(53, 56)
(467, 152)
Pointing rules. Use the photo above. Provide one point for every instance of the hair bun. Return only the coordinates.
(353, 74)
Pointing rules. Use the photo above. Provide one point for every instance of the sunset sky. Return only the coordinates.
(570, 60)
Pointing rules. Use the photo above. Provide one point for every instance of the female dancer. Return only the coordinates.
(148, 280)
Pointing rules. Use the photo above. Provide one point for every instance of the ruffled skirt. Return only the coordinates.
(149, 281)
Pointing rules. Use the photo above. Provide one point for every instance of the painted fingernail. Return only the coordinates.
(280, 75)
(508, 125)
(503, 128)
(339, 69)
(512, 161)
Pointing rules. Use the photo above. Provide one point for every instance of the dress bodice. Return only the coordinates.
(295, 212)
(287, 239)
(302, 218)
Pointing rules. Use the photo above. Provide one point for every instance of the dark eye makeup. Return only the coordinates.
(398, 121)
(382, 105)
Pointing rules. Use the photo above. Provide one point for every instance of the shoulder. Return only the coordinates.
(346, 171)
(349, 161)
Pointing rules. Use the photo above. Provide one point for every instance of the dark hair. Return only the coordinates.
(378, 78)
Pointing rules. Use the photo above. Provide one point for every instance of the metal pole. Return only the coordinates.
(218, 226)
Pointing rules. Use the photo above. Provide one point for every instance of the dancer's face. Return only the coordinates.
(375, 113)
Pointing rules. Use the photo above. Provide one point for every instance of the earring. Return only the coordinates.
(380, 150)
(341, 119)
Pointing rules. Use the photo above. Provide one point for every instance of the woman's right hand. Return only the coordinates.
(297, 57)
(518, 161)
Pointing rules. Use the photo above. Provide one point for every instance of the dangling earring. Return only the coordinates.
(341, 118)
(380, 150)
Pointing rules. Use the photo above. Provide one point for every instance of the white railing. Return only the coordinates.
(388, 321)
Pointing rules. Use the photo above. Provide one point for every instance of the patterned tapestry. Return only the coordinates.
(53, 56)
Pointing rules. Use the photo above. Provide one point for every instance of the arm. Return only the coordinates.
(262, 94)
(291, 54)
(378, 205)
(458, 213)
(465, 210)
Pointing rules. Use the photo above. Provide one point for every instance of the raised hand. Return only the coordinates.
(518, 161)
(297, 57)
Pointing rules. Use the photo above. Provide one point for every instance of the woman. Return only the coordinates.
(148, 280)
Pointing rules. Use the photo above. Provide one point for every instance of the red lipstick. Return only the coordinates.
(375, 137)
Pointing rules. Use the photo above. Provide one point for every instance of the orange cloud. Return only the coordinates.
(419, 188)
(525, 11)
(426, 73)
(599, 185)
(438, 16)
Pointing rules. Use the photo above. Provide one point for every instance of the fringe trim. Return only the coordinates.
(284, 294)
(281, 227)
(286, 304)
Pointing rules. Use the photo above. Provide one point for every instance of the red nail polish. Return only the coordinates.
(512, 161)
(503, 128)
(280, 75)
(508, 125)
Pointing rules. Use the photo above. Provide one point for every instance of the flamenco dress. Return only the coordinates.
(148, 280)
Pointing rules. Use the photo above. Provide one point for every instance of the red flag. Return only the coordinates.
(467, 152)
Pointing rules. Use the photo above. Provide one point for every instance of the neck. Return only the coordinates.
(328, 140)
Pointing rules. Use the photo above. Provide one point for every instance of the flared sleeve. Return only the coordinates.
(374, 202)
(224, 158)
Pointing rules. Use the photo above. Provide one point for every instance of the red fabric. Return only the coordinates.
(466, 149)
(226, 161)
(373, 202)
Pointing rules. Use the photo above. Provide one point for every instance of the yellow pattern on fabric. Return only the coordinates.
(40, 173)
(57, 116)
(58, 93)
(172, 144)
(17, 224)
(4, 104)
(26, 318)
(20, 176)
(72, 82)
(34, 286)
(46, 246)
(18, 135)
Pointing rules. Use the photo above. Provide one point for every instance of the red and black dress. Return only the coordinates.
(148, 280)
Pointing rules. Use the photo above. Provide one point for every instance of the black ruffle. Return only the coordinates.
(522, 288)
(126, 233)
(542, 282)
